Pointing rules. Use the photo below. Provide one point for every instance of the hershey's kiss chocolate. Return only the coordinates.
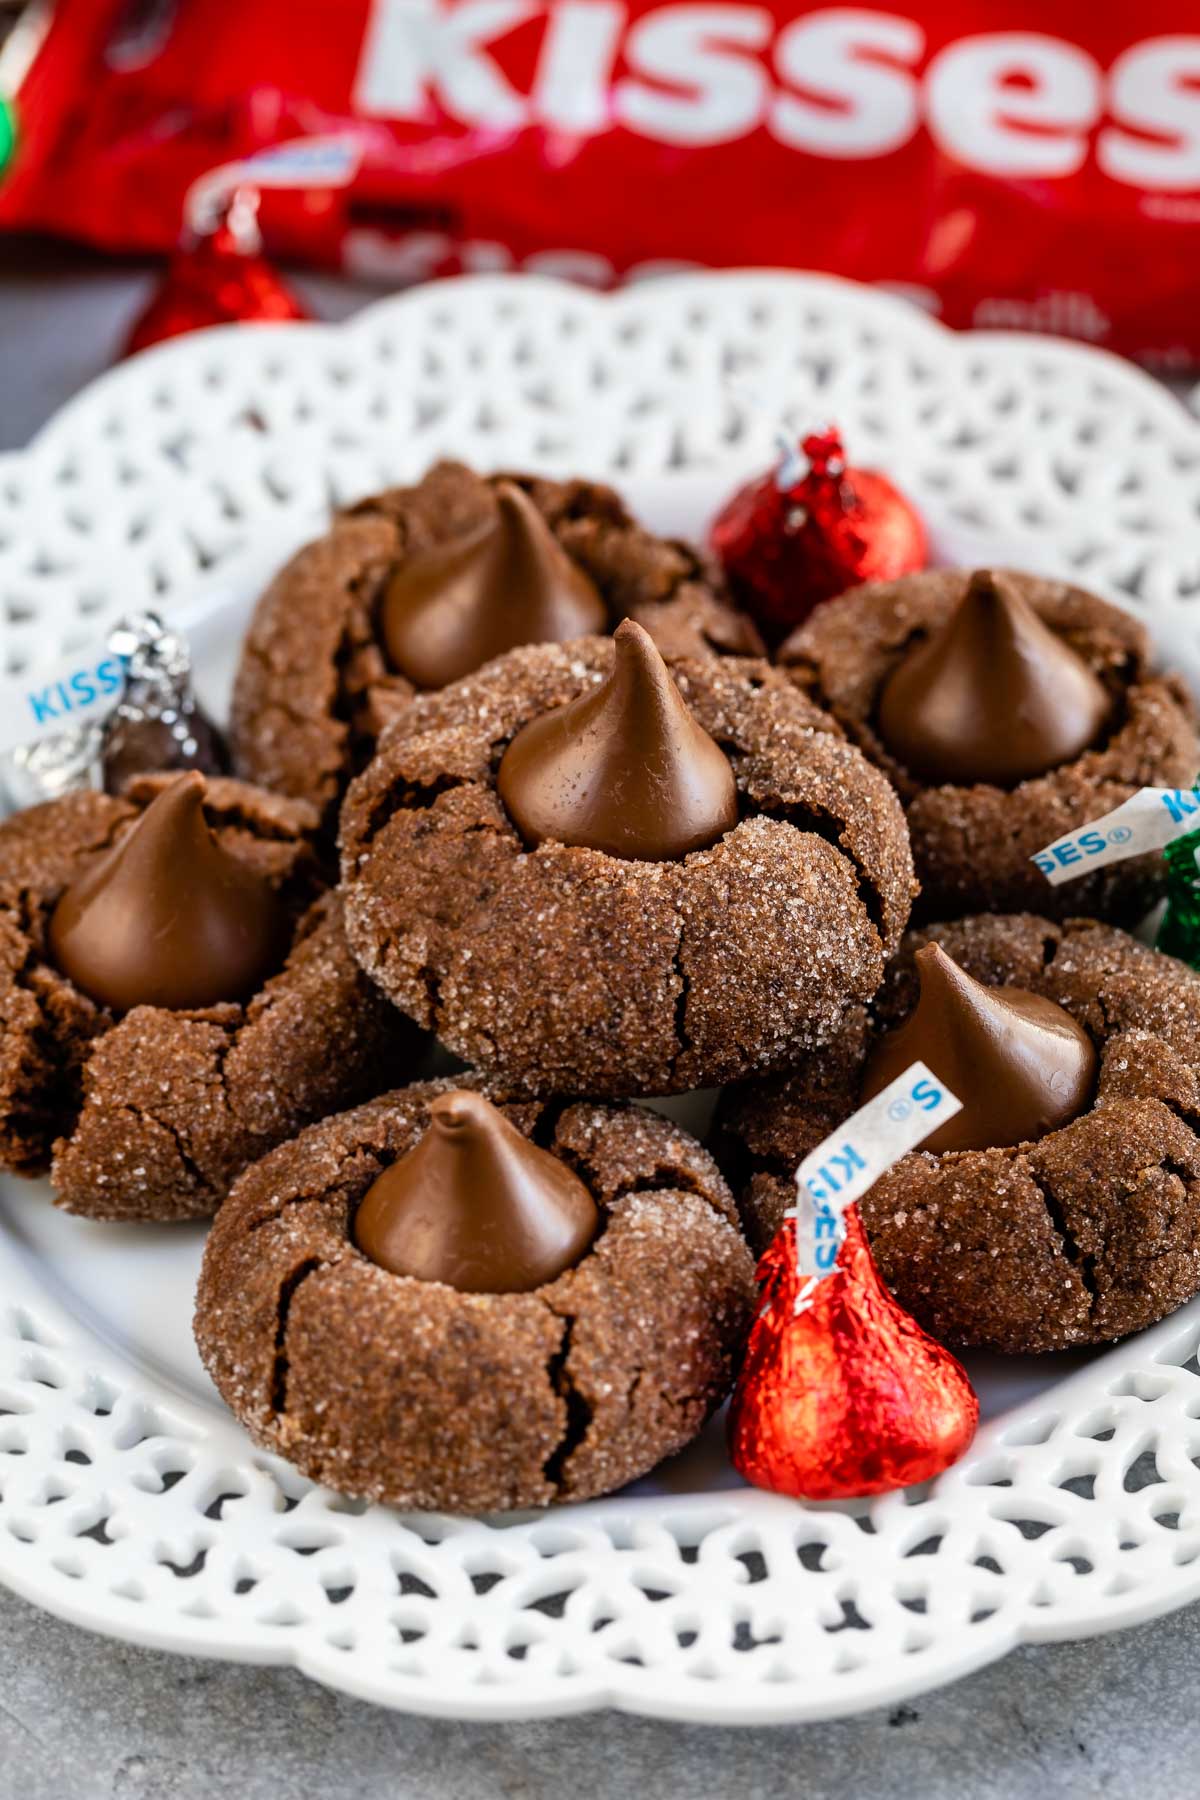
(158, 722)
(477, 1206)
(168, 917)
(1018, 1062)
(449, 609)
(625, 768)
(993, 696)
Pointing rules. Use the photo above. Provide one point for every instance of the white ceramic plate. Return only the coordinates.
(129, 1500)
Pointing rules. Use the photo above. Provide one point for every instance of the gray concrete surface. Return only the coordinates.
(85, 1719)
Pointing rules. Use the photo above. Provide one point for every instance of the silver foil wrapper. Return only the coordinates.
(54, 766)
(156, 724)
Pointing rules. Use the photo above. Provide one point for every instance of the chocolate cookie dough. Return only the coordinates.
(875, 659)
(566, 969)
(1089, 1233)
(417, 1394)
(316, 685)
(149, 1113)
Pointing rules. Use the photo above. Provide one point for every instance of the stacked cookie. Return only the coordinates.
(515, 775)
(597, 867)
(1065, 1209)
(177, 993)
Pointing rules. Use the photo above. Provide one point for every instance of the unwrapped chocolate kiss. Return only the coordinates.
(476, 1206)
(993, 696)
(1018, 1062)
(168, 917)
(625, 768)
(450, 609)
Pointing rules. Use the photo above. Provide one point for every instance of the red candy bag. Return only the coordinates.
(1005, 162)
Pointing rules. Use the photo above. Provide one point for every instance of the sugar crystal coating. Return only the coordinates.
(568, 970)
(972, 845)
(411, 1393)
(151, 1116)
(314, 687)
(1088, 1234)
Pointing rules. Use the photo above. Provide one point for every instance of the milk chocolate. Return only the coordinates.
(476, 1206)
(168, 917)
(624, 768)
(1018, 1062)
(449, 609)
(993, 696)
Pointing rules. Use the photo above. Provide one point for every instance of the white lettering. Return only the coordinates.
(692, 48)
(583, 266)
(418, 49)
(1014, 103)
(415, 257)
(1062, 314)
(658, 268)
(1155, 88)
(574, 72)
(482, 256)
(421, 254)
(856, 108)
(1011, 104)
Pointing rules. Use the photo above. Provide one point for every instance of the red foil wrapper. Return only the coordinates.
(789, 540)
(217, 277)
(1005, 165)
(849, 1396)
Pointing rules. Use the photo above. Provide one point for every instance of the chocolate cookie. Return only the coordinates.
(972, 840)
(571, 970)
(315, 684)
(415, 1394)
(149, 1112)
(1087, 1234)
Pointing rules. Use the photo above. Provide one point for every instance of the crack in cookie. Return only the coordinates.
(973, 843)
(418, 1395)
(314, 688)
(1089, 1233)
(152, 1114)
(567, 969)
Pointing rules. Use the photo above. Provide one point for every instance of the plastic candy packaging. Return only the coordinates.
(1005, 165)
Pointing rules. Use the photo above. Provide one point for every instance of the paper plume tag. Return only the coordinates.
(852, 1158)
(1148, 820)
(59, 696)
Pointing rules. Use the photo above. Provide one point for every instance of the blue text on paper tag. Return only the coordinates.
(1148, 820)
(852, 1158)
(55, 697)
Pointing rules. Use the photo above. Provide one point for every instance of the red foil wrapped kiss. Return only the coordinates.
(809, 529)
(217, 276)
(847, 1396)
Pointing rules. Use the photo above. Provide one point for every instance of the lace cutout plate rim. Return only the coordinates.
(129, 1502)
